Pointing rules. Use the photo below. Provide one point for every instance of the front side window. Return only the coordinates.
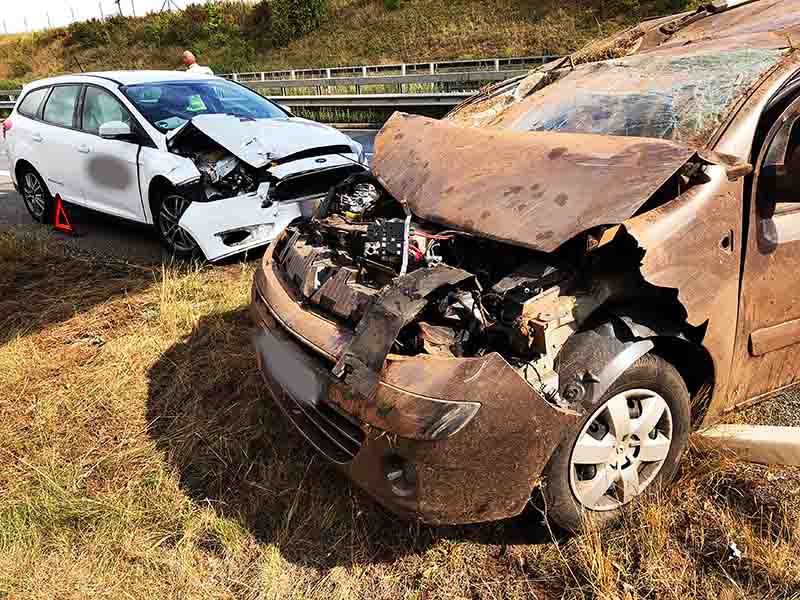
(60, 106)
(31, 103)
(779, 177)
(101, 107)
(168, 105)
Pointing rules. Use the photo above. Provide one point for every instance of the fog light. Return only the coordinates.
(401, 475)
(241, 235)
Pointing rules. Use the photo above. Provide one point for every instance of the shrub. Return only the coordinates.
(87, 34)
(292, 19)
(258, 24)
(18, 68)
(391, 4)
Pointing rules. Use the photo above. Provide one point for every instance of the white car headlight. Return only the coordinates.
(359, 150)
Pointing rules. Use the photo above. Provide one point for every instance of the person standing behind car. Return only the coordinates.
(190, 61)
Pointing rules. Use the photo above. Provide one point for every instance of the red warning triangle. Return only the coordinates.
(62, 220)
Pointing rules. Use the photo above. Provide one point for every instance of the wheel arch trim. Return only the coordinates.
(625, 336)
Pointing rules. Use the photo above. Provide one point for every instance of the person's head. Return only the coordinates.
(189, 59)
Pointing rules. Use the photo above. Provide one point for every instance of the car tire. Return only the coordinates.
(35, 196)
(167, 211)
(615, 449)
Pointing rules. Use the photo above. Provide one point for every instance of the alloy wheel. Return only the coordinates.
(33, 193)
(172, 208)
(621, 449)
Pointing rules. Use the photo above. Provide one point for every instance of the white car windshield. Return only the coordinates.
(168, 105)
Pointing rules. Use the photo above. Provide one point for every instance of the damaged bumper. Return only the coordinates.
(226, 227)
(387, 444)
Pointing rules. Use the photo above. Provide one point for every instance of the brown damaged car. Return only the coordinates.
(556, 282)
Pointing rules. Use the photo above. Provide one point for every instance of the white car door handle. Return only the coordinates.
(84, 149)
(37, 138)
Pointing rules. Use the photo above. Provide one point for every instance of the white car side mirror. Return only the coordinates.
(115, 129)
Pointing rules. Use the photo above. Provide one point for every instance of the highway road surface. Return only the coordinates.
(101, 234)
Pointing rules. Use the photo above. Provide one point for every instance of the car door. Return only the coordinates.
(57, 140)
(768, 331)
(108, 167)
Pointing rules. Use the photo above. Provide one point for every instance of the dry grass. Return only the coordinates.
(365, 32)
(140, 458)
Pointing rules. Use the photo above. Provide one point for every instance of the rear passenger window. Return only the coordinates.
(30, 104)
(60, 105)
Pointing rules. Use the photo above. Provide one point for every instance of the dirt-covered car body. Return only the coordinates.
(439, 329)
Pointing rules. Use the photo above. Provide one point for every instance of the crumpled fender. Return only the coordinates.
(591, 361)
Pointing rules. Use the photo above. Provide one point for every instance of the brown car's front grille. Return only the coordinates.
(332, 434)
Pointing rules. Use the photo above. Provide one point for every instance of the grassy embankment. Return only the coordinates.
(232, 37)
(140, 457)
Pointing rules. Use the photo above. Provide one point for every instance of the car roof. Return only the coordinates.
(122, 77)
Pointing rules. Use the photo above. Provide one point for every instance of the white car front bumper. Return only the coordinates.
(226, 227)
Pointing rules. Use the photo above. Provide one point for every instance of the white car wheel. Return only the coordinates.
(175, 238)
(35, 196)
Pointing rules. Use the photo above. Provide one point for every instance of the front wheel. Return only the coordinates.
(174, 238)
(628, 445)
(36, 196)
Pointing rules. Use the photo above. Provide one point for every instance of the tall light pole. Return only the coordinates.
(102, 16)
(169, 5)
(119, 6)
(133, 9)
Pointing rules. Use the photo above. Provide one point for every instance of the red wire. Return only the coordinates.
(431, 236)
(416, 252)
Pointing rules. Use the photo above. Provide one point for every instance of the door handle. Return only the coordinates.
(37, 138)
(84, 149)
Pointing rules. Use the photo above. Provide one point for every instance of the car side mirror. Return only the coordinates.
(287, 109)
(115, 130)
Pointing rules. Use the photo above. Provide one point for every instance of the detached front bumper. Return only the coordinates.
(483, 472)
(226, 227)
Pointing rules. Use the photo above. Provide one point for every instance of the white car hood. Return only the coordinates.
(261, 141)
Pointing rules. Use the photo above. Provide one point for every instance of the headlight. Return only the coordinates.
(359, 150)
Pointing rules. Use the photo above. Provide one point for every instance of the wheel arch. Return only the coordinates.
(23, 165)
(158, 185)
(593, 359)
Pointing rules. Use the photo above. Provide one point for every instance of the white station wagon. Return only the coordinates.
(214, 166)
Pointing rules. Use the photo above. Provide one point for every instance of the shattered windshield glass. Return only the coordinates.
(674, 97)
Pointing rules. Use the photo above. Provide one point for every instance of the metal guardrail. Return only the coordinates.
(368, 101)
(401, 81)
(364, 101)
(467, 72)
(464, 72)
(370, 72)
(8, 98)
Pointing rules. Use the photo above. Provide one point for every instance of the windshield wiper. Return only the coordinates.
(241, 116)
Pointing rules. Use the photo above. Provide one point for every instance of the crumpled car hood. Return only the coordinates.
(532, 189)
(258, 142)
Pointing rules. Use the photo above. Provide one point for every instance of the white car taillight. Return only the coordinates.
(6, 127)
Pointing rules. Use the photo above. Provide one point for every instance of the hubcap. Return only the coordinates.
(33, 194)
(172, 209)
(621, 449)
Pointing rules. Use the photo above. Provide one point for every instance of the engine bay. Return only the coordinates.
(520, 303)
(222, 174)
